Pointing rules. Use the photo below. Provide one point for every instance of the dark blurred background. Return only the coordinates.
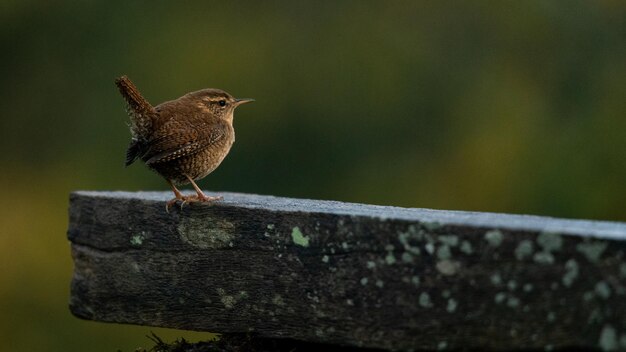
(491, 106)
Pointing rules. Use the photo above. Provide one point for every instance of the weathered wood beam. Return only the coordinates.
(353, 274)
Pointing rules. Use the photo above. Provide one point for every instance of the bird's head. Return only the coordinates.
(217, 102)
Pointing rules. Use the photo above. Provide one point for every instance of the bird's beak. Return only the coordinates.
(243, 101)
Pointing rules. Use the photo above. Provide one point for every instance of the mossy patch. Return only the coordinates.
(137, 240)
(299, 238)
(231, 342)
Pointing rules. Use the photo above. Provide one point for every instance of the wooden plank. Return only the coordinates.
(352, 274)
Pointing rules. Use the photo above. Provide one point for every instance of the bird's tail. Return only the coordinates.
(141, 112)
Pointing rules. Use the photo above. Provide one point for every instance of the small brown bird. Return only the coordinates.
(183, 140)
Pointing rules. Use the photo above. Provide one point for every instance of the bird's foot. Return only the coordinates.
(196, 198)
(190, 199)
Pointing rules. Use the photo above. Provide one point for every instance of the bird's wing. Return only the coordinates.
(183, 142)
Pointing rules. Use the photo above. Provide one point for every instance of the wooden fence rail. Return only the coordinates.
(349, 274)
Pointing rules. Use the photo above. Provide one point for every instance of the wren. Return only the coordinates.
(182, 140)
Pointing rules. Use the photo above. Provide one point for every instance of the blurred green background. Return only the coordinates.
(491, 105)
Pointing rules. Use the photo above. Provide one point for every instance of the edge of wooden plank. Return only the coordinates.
(610, 230)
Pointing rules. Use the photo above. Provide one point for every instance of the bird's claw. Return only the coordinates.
(169, 204)
(191, 199)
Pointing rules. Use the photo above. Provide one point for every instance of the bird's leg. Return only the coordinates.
(179, 196)
(201, 196)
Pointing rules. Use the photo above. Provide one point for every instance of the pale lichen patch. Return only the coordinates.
(523, 250)
(592, 250)
(364, 281)
(325, 259)
(452, 304)
(496, 279)
(198, 232)
(499, 297)
(571, 273)
(447, 267)
(608, 339)
(415, 280)
(588, 296)
(595, 317)
(403, 238)
(228, 301)
(466, 247)
(390, 258)
(494, 238)
(431, 226)
(543, 258)
(413, 250)
(443, 252)
(550, 241)
(424, 300)
(407, 257)
(603, 290)
(450, 240)
(513, 302)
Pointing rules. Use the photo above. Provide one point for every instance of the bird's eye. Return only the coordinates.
(222, 102)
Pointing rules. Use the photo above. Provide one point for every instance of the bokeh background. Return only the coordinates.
(501, 106)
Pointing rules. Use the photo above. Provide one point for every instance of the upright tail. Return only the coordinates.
(141, 112)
